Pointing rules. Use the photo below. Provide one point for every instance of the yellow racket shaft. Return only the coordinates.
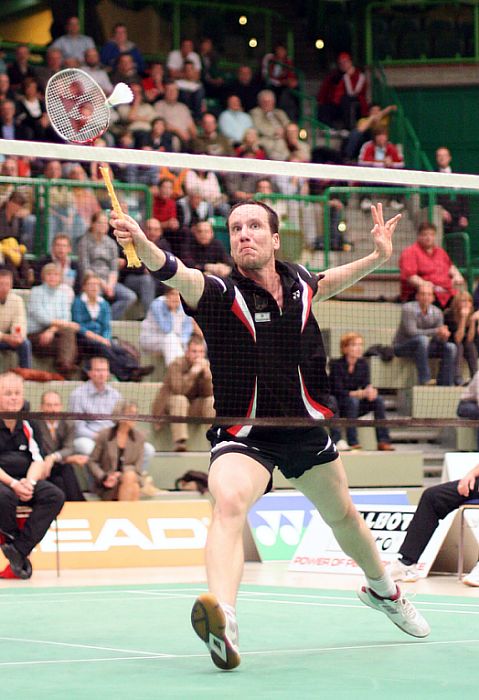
(132, 259)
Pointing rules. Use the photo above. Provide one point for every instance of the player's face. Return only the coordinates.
(252, 242)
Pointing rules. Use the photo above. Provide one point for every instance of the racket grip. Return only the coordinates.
(132, 259)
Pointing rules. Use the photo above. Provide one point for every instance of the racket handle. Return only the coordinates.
(132, 259)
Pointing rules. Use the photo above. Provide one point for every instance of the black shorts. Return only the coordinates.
(293, 451)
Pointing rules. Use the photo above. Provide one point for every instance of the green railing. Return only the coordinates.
(41, 188)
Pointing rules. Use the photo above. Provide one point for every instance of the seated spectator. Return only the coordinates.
(175, 62)
(165, 210)
(139, 280)
(56, 440)
(424, 261)
(166, 328)
(91, 64)
(297, 148)
(191, 209)
(423, 334)
(204, 252)
(73, 44)
(270, 123)
(6, 92)
(468, 406)
(211, 76)
(328, 110)
(154, 83)
(16, 221)
(207, 185)
(462, 320)
(53, 64)
(176, 114)
(454, 208)
(20, 68)
(61, 204)
(137, 116)
(209, 140)
(60, 256)
(13, 321)
(278, 73)
(9, 127)
(98, 254)
(120, 44)
(187, 390)
(435, 504)
(192, 481)
(159, 139)
(241, 186)
(177, 179)
(116, 463)
(86, 204)
(234, 121)
(31, 113)
(264, 186)
(11, 168)
(22, 482)
(351, 386)
(154, 233)
(249, 146)
(191, 90)
(350, 92)
(246, 86)
(92, 314)
(380, 153)
(125, 71)
(51, 330)
(377, 118)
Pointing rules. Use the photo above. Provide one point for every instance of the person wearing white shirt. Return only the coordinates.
(176, 59)
(233, 121)
(93, 67)
(73, 44)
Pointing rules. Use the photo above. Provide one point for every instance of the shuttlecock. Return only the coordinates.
(121, 95)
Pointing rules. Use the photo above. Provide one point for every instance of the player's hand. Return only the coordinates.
(383, 232)
(126, 229)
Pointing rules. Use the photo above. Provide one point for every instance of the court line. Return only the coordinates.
(80, 646)
(264, 652)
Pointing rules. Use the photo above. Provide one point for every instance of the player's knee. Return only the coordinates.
(231, 502)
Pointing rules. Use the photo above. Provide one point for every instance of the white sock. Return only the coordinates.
(384, 586)
(229, 610)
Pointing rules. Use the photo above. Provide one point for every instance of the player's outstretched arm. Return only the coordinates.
(338, 278)
(190, 283)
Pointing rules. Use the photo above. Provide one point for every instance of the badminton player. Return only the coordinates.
(267, 360)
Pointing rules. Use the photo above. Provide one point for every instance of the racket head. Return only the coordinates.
(77, 106)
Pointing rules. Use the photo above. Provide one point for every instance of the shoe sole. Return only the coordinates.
(209, 622)
(364, 598)
(473, 584)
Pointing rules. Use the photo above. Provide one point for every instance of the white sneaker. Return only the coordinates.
(218, 630)
(401, 572)
(472, 578)
(365, 204)
(343, 446)
(399, 610)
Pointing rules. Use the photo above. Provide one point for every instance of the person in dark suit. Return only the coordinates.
(56, 437)
(350, 385)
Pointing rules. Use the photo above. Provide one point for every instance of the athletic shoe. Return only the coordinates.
(472, 578)
(399, 610)
(402, 572)
(19, 564)
(342, 446)
(217, 630)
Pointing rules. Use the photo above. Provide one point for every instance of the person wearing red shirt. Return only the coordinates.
(350, 91)
(424, 261)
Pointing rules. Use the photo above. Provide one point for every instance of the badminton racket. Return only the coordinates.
(79, 112)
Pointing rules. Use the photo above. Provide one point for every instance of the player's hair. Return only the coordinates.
(273, 218)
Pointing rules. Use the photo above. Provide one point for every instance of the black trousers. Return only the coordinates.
(436, 502)
(64, 477)
(46, 503)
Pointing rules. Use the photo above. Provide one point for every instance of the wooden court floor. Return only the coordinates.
(126, 634)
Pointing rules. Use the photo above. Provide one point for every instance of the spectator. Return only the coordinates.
(164, 208)
(92, 314)
(249, 146)
(380, 153)
(328, 110)
(60, 255)
(16, 220)
(20, 68)
(234, 121)
(204, 252)
(210, 141)
(454, 208)
(191, 209)
(154, 233)
(351, 386)
(53, 63)
(424, 261)
(277, 71)
(175, 62)
(350, 91)
(6, 92)
(51, 329)
(193, 481)
(423, 334)
(166, 328)
(297, 148)
(159, 139)
(270, 123)
(187, 390)
(435, 504)
(56, 439)
(462, 320)
(176, 115)
(207, 185)
(468, 406)
(137, 116)
(246, 87)
(191, 90)
(210, 73)
(120, 44)
(22, 482)
(73, 44)
(377, 118)
(62, 204)
(91, 65)
(9, 127)
(98, 254)
(154, 83)
(138, 280)
(116, 461)
(10, 168)
(13, 321)
(32, 113)
(125, 70)
(86, 203)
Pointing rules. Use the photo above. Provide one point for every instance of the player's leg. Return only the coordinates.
(235, 481)
(326, 486)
